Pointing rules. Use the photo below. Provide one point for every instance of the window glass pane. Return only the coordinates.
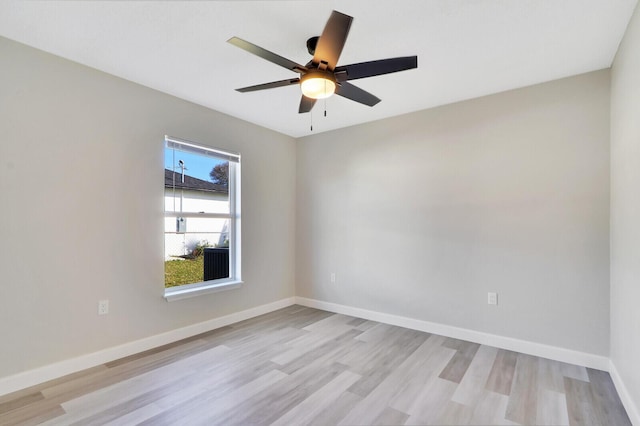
(186, 244)
(197, 245)
(195, 183)
(183, 234)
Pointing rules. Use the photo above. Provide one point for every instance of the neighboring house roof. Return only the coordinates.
(191, 183)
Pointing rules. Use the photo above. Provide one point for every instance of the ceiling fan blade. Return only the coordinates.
(332, 40)
(265, 54)
(372, 68)
(349, 91)
(306, 104)
(271, 85)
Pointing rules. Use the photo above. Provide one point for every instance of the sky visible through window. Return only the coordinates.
(197, 166)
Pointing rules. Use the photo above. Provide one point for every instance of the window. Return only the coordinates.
(201, 219)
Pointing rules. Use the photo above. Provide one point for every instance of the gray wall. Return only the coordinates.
(625, 210)
(421, 215)
(81, 216)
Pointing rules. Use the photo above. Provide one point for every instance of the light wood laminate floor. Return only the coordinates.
(300, 366)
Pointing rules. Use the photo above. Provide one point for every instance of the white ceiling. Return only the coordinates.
(465, 48)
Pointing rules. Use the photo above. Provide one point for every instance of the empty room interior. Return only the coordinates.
(444, 230)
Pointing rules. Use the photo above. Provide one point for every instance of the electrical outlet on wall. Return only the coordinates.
(103, 307)
(492, 298)
(333, 277)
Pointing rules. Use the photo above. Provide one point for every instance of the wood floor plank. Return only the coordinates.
(384, 358)
(302, 345)
(333, 414)
(431, 401)
(165, 348)
(580, 403)
(457, 368)
(419, 391)
(324, 349)
(552, 408)
(212, 383)
(238, 397)
(334, 325)
(454, 414)
(279, 335)
(607, 403)
(33, 414)
(383, 395)
(366, 325)
(107, 404)
(502, 370)
(266, 407)
(355, 322)
(102, 378)
(136, 416)
(490, 409)
(471, 387)
(523, 400)
(377, 333)
(574, 371)
(550, 376)
(323, 398)
(19, 402)
(143, 383)
(278, 318)
(203, 408)
(94, 416)
(51, 383)
(250, 354)
(307, 317)
(389, 416)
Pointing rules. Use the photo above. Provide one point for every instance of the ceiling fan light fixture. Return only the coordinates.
(318, 79)
(318, 85)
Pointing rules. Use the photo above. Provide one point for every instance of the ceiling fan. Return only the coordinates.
(321, 77)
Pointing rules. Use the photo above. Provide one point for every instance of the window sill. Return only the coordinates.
(177, 294)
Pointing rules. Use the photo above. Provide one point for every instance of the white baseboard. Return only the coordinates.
(538, 349)
(48, 372)
(633, 410)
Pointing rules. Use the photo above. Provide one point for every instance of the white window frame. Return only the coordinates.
(235, 277)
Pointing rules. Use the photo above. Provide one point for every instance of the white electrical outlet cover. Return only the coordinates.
(103, 307)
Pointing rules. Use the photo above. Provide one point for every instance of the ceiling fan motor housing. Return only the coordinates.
(311, 45)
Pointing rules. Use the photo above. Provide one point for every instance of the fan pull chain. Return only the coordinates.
(311, 119)
(325, 99)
